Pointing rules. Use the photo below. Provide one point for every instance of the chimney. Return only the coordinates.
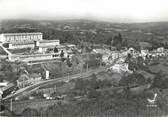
(47, 74)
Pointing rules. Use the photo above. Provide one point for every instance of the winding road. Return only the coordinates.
(29, 89)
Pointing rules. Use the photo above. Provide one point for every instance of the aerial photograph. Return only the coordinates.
(83, 58)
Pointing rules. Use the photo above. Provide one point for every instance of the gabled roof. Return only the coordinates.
(22, 33)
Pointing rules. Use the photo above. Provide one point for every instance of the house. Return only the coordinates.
(131, 51)
(112, 56)
(119, 68)
(28, 79)
(144, 52)
(161, 49)
(3, 84)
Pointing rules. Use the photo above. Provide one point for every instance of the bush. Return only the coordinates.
(29, 112)
(92, 94)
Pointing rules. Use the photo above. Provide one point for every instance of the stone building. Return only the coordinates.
(28, 79)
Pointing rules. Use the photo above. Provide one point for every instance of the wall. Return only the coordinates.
(22, 46)
(36, 57)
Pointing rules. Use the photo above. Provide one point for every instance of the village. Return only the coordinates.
(43, 62)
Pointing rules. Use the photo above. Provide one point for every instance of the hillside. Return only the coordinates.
(74, 31)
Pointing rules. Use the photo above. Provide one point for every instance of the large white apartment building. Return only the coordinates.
(21, 37)
(24, 40)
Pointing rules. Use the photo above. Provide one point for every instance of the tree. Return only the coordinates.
(132, 66)
(140, 62)
(79, 84)
(55, 50)
(132, 79)
(68, 62)
(2, 29)
(109, 41)
(117, 41)
(120, 38)
(160, 81)
(93, 82)
(125, 43)
(10, 71)
(129, 56)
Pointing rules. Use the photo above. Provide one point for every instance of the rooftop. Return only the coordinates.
(21, 33)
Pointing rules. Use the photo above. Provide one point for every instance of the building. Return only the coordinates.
(20, 37)
(119, 68)
(28, 79)
(30, 47)
(161, 49)
(25, 40)
(144, 52)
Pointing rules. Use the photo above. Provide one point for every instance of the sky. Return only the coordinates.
(106, 10)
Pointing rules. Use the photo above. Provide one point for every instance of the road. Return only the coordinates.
(29, 89)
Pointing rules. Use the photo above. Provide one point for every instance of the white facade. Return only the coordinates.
(42, 44)
(49, 43)
(47, 74)
(36, 57)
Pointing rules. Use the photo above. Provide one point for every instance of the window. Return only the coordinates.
(55, 55)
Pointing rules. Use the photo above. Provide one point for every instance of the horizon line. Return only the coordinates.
(69, 19)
